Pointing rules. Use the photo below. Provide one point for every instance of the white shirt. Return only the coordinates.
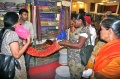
(93, 35)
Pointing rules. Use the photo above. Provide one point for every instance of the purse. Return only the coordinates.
(85, 53)
(7, 66)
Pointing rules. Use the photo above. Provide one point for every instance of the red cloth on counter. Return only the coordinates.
(50, 50)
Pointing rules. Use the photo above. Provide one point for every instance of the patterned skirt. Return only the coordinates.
(74, 63)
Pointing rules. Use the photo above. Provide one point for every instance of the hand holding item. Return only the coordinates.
(24, 41)
(50, 50)
(28, 40)
(87, 73)
(63, 42)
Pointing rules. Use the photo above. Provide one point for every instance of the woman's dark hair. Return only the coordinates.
(79, 16)
(113, 23)
(22, 10)
(112, 17)
(10, 18)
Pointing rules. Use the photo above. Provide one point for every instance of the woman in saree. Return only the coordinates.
(77, 40)
(107, 62)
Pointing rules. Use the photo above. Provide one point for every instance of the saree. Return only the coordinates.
(96, 49)
(109, 54)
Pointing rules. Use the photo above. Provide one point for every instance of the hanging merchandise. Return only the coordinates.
(50, 50)
(38, 24)
(62, 35)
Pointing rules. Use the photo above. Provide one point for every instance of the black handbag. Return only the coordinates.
(85, 53)
(7, 66)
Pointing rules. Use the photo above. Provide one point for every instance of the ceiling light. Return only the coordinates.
(112, 1)
(79, 2)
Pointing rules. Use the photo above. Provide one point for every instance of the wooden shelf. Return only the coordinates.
(1, 27)
(52, 0)
(51, 12)
(8, 11)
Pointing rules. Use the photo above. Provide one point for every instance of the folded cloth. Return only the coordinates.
(22, 32)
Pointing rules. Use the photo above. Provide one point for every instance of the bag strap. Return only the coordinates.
(89, 36)
(90, 40)
(4, 35)
(78, 17)
(2, 39)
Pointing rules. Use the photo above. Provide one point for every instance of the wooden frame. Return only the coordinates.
(92, 7)
(104, 8)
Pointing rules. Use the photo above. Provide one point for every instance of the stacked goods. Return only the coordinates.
(47, 16)
(2, 7)
(55, 9)
(44, 3)
(20, 6)
(49, 23)
(10, 6)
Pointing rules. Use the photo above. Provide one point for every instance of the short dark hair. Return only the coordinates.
(79, 16)
(22, 10)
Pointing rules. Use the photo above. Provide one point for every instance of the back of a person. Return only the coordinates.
(13, 63)
(8, 36)
(92, 30)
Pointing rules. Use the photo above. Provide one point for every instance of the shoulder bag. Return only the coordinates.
(85, 53)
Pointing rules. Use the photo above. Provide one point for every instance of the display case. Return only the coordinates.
(51, 20)
(49, 17)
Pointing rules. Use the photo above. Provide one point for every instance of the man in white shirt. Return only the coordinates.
(23, 20)
(92, 30)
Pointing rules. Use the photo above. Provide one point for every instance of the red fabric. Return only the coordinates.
(50, 50)
(107, 53)
(43, 68)
(88, 19)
